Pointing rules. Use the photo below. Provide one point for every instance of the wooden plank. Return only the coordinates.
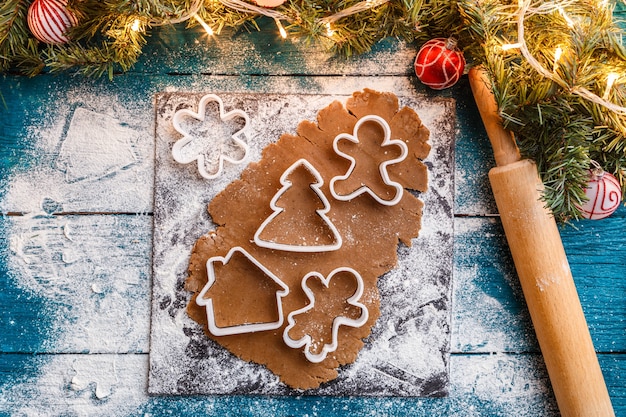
(488, 310)
(38, 173)
(75, 283)
(75, 148)
(597, 258)
(115, 385)
(175, 50)
(111, 385)
(473, 158)
(54, 138)
(488, 297)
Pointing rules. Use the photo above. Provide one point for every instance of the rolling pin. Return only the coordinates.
(543, 270)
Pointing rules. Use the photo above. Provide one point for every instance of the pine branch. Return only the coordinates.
(14, 35)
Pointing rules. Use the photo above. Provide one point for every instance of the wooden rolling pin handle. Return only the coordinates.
(544, 273)
(505, 149)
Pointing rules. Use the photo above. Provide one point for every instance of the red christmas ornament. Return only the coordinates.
(439, 63)
(604, 193)
(49, 20)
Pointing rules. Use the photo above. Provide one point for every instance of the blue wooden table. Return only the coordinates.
(76, 238)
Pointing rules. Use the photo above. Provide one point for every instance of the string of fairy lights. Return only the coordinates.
(276, 15)
(545, 8)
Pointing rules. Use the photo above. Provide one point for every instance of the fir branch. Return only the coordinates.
(13, 32)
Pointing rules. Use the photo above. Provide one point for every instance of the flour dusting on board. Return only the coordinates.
(407, 353)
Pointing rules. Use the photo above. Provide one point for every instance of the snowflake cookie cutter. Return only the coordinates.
(306, 341)
(207, 302)
(382, 167)
(178, 149)
(316, 187)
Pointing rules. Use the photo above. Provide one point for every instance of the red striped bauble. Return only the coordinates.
(604, 194)
(49, 20)
(439, 63)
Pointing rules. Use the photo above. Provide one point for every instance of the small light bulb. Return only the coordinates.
(136, 25)
(557, 55)
(508, 46)
(610, 80)
(567, 19)
(281, 29)
(329, 30)
(206, 27)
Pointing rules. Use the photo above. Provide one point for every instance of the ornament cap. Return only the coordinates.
(596, 169)
(451, 43)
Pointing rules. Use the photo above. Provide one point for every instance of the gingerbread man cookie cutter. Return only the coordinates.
(182, 157)
(316, 187)
(307, 341)
(382, 167)
(207, 302)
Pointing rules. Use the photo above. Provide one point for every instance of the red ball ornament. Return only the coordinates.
(439, 63)
(49, 20)
(604, 194)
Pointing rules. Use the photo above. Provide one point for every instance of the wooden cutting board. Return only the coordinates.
(407, 353)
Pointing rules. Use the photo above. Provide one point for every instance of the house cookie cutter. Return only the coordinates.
(306, 341)
(382, 167)
(316, 187)
(202, 299)
(177, 150)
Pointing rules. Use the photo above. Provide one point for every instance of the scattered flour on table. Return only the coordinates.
(511, 385)
(94, 275)
(475, 200)
(89, 154)
(86, 153)
(480, 315)
(92, 154)
(79, 385)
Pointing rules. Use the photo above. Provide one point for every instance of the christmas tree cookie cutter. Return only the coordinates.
(307, 341)
(382, 168)
(204, 300)
(179, 149)
(316, 187)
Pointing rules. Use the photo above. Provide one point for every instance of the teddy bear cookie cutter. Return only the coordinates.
(312, 350)
(209, 145)
(355, 142)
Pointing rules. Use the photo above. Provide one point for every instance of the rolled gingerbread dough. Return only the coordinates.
(371, 232)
